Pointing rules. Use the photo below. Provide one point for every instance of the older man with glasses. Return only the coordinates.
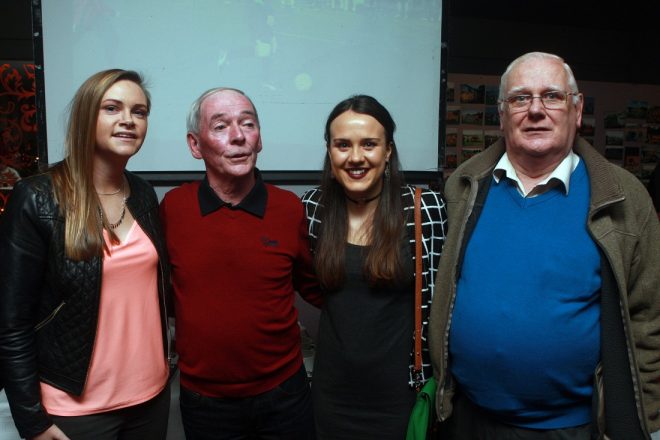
(546, 322)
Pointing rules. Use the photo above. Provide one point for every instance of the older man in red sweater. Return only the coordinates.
(239, 251)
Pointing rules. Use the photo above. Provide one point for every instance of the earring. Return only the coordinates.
(387, 170)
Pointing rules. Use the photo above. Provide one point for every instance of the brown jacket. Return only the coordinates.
(622, 222)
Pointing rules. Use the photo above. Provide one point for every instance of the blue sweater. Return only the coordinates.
(525, 336)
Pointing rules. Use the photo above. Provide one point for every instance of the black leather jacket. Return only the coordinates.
(49, 304)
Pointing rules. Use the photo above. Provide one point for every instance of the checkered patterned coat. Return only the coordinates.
(434, 230)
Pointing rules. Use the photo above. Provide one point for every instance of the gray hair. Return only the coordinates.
(192, 121)
(572, 84)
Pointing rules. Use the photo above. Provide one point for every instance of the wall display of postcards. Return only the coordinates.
(472, 120)
(588, 128)
(632, 137)
(472, 93)
(622, 121)
(491, 116)
(491, 136)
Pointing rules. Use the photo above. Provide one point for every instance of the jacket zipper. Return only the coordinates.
(631, 355)
(166, 319)
(470, 206)
(50, 317)
(161, 294)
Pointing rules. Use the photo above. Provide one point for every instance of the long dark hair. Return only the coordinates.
(383, 260)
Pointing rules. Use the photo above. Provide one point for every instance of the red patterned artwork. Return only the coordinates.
(18, 125)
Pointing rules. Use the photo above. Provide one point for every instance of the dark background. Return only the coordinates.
(600, 42)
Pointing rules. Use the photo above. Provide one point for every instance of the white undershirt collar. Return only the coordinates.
(559, 176)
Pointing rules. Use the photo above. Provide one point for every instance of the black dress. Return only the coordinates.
(360, 383)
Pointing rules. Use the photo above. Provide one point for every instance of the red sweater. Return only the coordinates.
(234, 276)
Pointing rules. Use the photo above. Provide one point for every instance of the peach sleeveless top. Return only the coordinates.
(128, 365)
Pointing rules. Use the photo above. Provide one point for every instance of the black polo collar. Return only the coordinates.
(254, 203)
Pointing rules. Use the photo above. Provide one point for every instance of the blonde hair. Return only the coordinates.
(72, 178)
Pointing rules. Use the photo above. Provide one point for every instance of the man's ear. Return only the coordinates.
(193, 144)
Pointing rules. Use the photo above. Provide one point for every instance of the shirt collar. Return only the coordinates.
(559, 176)
(254, 203)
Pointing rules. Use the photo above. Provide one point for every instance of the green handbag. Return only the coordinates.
(423, 412)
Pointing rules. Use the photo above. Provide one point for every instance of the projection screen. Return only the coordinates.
(295, 59)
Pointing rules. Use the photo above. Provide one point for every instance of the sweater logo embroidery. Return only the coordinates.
(268, 242)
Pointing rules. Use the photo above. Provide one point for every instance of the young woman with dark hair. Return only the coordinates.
(361, 229)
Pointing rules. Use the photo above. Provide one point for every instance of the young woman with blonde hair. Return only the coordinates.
(84, 340)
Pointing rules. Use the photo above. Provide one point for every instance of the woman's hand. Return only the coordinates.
(52, 433)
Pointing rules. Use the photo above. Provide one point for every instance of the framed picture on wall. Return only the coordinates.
(472, 93)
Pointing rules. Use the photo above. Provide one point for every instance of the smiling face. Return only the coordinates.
(121, 125)
(358, 152)
(539, 133)
(228, 138)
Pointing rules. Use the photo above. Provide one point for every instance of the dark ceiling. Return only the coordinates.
(601, 42)
(631, 15)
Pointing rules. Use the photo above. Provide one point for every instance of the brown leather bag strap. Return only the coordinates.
(418, 286)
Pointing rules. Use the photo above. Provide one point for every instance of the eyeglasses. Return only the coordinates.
(552, 100)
